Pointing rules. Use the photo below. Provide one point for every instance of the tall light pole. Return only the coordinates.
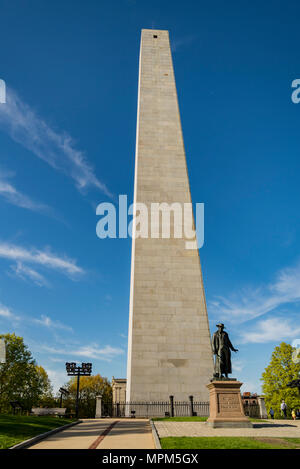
(73, 370)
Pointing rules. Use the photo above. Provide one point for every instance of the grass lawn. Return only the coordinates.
(220, 442)
(259, 420)
(17, 428)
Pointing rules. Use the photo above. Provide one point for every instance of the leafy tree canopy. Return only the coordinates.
(281, 370)
(90, 387)
(21, 379)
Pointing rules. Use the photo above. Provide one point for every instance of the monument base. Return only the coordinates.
(218, 423)
(226, 406)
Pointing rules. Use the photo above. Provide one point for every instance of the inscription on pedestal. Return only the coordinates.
(228, 403)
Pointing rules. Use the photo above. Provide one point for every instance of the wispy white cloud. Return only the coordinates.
(250, 303)
(9, 315)
(57, 378)
(55, 148)
(50, 324)
(271, 330)
(57, 360)
(237, 366)
(43, 321)
(5, 312)
(44, 258)
(24, 272)
(106, 353)
(93, 351)
(12, 195)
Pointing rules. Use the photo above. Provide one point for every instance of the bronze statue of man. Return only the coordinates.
(222, 350)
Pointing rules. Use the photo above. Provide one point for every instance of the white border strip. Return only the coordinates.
(155, 435)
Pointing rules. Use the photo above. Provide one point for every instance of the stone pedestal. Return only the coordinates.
(226, 407)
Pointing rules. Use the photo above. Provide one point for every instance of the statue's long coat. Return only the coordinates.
(221, 348)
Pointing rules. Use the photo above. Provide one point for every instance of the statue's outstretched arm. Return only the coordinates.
(231, 346)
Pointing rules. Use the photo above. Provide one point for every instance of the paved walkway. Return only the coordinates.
(274, 428)
(102, 434)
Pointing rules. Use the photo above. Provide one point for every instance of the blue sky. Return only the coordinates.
(67, 141)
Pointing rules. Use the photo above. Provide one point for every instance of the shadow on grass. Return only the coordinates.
(17, 428)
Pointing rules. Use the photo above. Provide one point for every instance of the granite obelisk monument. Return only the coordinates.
(169, 347)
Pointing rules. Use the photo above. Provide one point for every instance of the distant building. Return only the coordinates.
(249, 398)
(254, 405)
(118, 389)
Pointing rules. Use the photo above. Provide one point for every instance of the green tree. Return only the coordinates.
(89, 388)
(46, 397)
(281, 370)
(20, 377)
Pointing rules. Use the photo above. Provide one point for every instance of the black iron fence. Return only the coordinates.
(252, 410)
(155, 409)
(169, 408)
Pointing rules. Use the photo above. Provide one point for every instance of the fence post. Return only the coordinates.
(172, 405)
(98, 414)
(191, 406)
(263, 414)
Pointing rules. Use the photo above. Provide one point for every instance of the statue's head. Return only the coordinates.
(220, 326)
